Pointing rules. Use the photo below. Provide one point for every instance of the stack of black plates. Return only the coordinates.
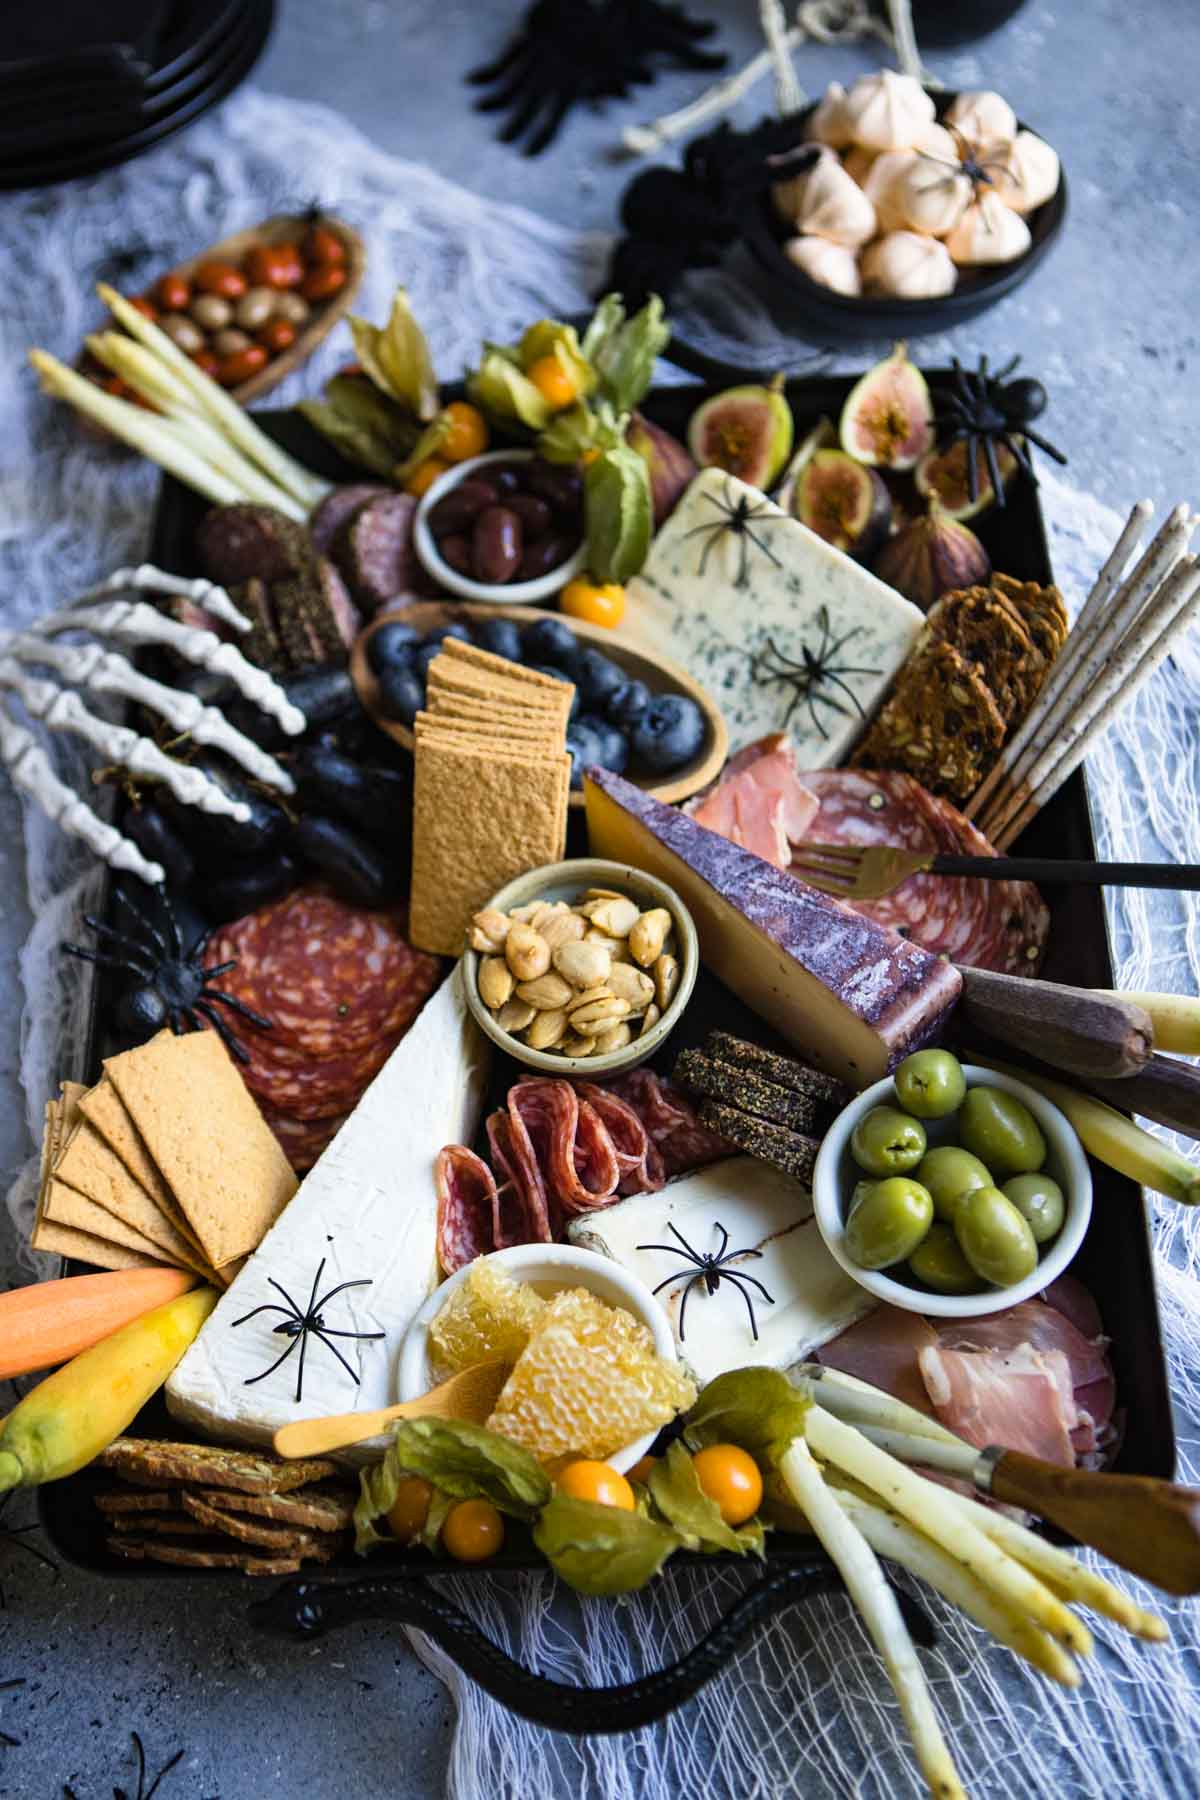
(84, 86)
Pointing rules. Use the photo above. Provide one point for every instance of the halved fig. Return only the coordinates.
(931, 557)
(746, 430)
(887, 421)
(944, 473)
(843, 502)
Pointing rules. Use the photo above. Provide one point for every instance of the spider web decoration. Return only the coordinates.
(299, 1326)
(712, 1268)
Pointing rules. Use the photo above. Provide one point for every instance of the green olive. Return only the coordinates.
(888, 1222)
(949, 1173)
(887, 1142)
(930, 1084)
(1039, 1200)
(994, 1238)
(1001, 1129)
(939, 1264)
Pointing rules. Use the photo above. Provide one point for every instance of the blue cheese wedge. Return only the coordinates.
(785, 632)
(812, 1299)
(369, 1209)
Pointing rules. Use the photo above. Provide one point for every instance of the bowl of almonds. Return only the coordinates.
(581, 967)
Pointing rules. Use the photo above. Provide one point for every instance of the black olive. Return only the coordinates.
(372, 797)
(219, 837)
(158, 840)
(243, 891)
(325, 696)
(354, 869)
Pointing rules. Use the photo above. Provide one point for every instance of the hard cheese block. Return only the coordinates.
(812, 1299)
(369, 1209)
(851, 996)
(785, 632)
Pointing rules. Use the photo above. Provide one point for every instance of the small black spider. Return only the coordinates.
(986, 409)
(737, 518)
(175, 984)
(568, 51)
(143, 1792)
(808, 676)
(712, 1271)
(974, 168)
(297, 1325)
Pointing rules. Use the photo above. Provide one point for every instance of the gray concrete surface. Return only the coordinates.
(1109, 324)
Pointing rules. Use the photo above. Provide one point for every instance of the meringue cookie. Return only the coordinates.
(888, 111)
(857, 164)
(935, 140)
(1024, 173)
(830, 264)
(829, 124)
(883, 183)
(988, 232)
(983, 117)
(828, 203)
(927, 197)
(908, 266)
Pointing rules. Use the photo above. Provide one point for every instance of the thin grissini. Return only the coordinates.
(1175, 1018)
(858, 1403)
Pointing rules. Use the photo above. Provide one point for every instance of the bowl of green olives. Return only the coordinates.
(951, 1189)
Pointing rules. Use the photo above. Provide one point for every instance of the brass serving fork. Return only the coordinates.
(868, 871)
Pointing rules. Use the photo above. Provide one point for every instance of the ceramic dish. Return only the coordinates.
(549, 1267)
(507, 593)
(836, 1173)
(569, 881)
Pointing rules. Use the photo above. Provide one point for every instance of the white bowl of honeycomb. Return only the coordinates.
(595, 1372)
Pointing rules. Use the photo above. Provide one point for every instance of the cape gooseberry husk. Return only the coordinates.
(746, 431)
(943, 475)
(843, 502)
(931, 557)
(887, 421)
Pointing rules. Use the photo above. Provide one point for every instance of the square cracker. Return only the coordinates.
(81, 1246)
(103, 1107)
(90, 1166)
(65, 1206)
(448, 703)
(498, 665)
(461, 733)
(504, 729)
(444, 672)
(208, 1139)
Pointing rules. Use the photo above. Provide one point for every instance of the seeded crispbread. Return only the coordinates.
(941, 724)
(213, 1554)
(313, 1509)
(155, 1462)
(790, 1151)
(751, 1092)
(175, 1523)
(288, 1539)
(788, 1071)
(208, 1139)
(987, 630)
(116, 1502)
(1042, 609)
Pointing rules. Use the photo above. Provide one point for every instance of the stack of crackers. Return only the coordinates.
(492, 783)
(166, 1160)
(975, 672)
(201, 1507)
(770, 1106)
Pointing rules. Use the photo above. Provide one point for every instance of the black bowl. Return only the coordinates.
(855, 316)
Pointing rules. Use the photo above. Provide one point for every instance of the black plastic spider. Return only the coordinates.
(143, 1792)
(297, 1325)
(175, 983)
(986, 410)
(738, 516)
(712, 1271)
(568, 51)
(808, 676)
(973, 167)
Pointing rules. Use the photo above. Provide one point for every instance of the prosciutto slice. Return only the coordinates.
(1035, 1324)
(883, 1349)
(760, 801)
(1023, 1399)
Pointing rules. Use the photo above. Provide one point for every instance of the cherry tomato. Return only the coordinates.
(173, 293)
(233, 370)
(323, 281)
(731, 1480)
(468, 433)
(595, 602)
(643, 1469)
(112, 384)
(473, 1531)
(598, 1481)
(277, 335)
(410, 1509)
(206, 359)
(274, 266)
(220, 278)
(146, 307)
(424, 475)
(552, 382)
(321, 245)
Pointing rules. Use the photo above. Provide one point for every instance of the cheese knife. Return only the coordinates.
(471, 1394)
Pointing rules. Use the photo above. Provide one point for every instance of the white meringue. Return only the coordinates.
(927, 197)
(983, 117)
(908, 266)
(832, 265)
(883, 184)
(988, 232)
(829, 124)
(888, 111)
(1024, 173)
(857, 164)
(828, 203)
(935, 140)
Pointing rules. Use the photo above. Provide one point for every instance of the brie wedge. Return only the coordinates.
(812, 1299)
(369, 1209)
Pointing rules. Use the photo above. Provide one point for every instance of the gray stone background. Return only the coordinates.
(1110, 325)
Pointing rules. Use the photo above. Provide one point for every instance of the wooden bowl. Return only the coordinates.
(660, 676)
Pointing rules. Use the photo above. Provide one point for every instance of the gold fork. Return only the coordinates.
(868, 871)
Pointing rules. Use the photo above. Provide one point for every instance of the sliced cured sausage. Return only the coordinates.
(337, 509)
(466, 1207)
(379, 561)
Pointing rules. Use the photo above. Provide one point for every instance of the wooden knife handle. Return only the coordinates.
(315, 1437)
(1150, 1527)
(1075, 1030)
(1165, 1089)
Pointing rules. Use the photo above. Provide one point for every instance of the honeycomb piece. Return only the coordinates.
(489, 1317)
(588, 1382)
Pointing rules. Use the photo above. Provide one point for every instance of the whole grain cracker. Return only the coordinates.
(290, 1539)
(214, 1555)
(940, 724)
(159, 1462)
(1042, 609)
(160, 1524)
(138, 1500)
(314, 1509)
(987, 630)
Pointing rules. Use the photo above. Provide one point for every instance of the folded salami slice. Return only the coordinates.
(466, 1207)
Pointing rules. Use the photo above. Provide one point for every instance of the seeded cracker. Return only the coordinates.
(160, 1462)
(750, 1092)
(789, 1151)
(1041, 608)
(940, 724)
(986, 629)
(290, 1540)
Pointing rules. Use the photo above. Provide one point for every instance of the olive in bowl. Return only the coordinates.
(479, 533)
(979, 1224)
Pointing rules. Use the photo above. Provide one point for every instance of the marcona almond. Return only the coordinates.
(615, 1038)
(515, 1015)
(564, 928)
(583, 965)
(489, 929)
(527, 952)
(577, 1046)
(547, 910)
(618, 948)
(666, 980)
(523, 914)
(614, 916)
(648, 934)
(589, 995)
(547, 992)
(652, 1016)
(547, 1030)
(631, 984)
(495, 982)
(597, 1015)
(602, 894)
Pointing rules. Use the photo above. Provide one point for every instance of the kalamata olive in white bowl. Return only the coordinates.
(493, 534)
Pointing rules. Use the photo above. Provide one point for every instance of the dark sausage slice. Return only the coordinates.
(236, 543)
(345, 615)
(338, 508)
(379, 561)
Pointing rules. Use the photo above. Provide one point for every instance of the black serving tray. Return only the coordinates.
(1115, 1261)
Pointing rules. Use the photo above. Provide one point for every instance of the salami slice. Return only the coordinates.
(680, 1136)
(984, 924)
(379, 561)
(574, 1149)
(466, 1207)
(337, 509)
(639, 1164)
(525, 1216)
(311, 1088)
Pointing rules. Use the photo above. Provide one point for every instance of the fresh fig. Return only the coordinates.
(843, 502)
(944, 473)
(931, 557)
(745, 430)
(887, 421)
(669, 465)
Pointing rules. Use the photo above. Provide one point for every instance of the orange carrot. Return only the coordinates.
(52, 1321)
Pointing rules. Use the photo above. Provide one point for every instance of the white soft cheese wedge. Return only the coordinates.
(753, 604)
(813, 1299)
(369, 1208)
